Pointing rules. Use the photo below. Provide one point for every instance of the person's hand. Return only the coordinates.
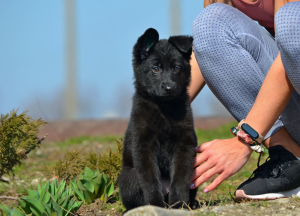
(223, 157)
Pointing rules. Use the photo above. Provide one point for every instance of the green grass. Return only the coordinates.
(85, 140)
(32, 168)
(222, 132)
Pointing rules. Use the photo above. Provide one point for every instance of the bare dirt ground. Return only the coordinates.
(61, 130)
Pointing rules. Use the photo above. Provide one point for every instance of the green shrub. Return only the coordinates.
(67, 168)
(109, 163)
(73, 164)
(18, 136)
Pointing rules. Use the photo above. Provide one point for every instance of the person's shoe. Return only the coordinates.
(278, 177)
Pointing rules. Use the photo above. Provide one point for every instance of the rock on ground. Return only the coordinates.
(157, 211)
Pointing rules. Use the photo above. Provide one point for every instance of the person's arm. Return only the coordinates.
(277, 98)
(271, 99)
(197, 80)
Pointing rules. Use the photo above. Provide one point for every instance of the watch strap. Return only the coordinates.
(254, 145)
(260, 138)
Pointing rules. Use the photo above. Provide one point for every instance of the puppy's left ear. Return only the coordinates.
(145, 44)
(182, 43)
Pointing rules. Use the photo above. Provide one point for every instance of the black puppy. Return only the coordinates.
(158, 151)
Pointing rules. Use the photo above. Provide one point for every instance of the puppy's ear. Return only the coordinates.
(145, 44)
(182, 43)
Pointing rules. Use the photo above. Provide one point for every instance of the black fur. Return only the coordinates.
(158, 151)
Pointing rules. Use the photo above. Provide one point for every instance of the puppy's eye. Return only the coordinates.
(156, 69)
(177, 68)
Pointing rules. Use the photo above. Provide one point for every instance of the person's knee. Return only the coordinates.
(208, 25)
(287, 21)
(212, 14)
(210, 32)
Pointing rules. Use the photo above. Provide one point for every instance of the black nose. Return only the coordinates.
(169, 88)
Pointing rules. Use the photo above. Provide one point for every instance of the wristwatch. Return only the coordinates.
(250, 131)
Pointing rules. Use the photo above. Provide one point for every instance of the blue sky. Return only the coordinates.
(32, 54)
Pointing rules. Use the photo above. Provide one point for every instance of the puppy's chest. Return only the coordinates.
(164, 156)
(164, 124)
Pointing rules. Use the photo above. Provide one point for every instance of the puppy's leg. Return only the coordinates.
(181, 173)
(131, 191)
(149, 176)
(194, 204)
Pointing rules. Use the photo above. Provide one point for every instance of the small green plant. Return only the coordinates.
(6, 211)
(50, 199)
(18, 136)
(92, 185)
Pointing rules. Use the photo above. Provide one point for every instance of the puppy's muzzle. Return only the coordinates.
(169, 88)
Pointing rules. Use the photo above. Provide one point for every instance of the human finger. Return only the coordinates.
(223, 176)
(202, 169)
(199, 159)
(205, 177)
(204, 146)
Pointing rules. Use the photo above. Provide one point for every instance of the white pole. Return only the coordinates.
(71, 104)
(175, 17)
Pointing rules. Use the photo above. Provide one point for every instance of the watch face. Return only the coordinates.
(249, 130)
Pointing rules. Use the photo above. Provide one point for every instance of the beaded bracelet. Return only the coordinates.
(254, 145)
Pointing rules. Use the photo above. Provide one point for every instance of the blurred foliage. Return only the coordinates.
(74, 162)
(18, 136)
(221, 132)
(7, 211)
(109, 163)
(67, 168)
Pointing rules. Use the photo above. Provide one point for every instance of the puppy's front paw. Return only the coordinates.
(159, 204)
(194, 204)
(156, 200)
(178, 200)
(178, 205)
